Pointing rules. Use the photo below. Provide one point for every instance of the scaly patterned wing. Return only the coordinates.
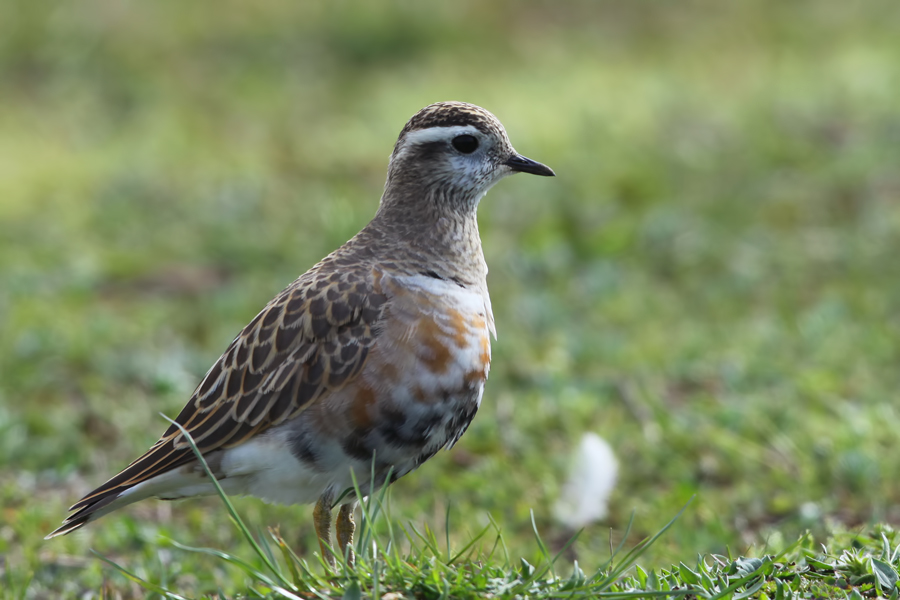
(311, 338)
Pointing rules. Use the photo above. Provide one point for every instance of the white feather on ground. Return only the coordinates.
(591, 481)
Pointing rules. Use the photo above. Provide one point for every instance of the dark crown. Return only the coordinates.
(449, 114)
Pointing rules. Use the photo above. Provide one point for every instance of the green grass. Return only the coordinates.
(850, 566)
(710, 283)
(426, 569)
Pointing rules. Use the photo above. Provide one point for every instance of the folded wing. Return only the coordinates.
(312, 338)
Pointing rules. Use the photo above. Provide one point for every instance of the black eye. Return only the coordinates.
(467, 144)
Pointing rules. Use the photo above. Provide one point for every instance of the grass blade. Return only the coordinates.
(236, 519)
(147, 585)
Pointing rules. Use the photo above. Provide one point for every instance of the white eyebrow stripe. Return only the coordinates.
(439, 134)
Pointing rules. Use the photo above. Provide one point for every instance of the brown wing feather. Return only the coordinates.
(314, 336)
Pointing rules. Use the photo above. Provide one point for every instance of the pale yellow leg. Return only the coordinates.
(322, 521)
(346, 526)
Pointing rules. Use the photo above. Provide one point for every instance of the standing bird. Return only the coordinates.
(371, 361)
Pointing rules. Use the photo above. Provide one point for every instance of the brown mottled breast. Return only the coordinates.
(419, 389)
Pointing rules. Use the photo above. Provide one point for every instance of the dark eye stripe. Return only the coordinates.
(467, 144)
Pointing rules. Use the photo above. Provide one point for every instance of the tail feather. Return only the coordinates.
(160, 458)
(120, 490)
(85, 515)
(68, 526)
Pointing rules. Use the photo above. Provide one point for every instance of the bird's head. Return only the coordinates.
(454, 152)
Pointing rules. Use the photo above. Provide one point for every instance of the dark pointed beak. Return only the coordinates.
(519, 163)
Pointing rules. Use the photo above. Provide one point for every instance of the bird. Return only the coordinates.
(366, 365)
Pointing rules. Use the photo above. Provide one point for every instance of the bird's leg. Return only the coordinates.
(322, 521)
(346, 526)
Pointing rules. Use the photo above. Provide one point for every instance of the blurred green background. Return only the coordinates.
(711, 283)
